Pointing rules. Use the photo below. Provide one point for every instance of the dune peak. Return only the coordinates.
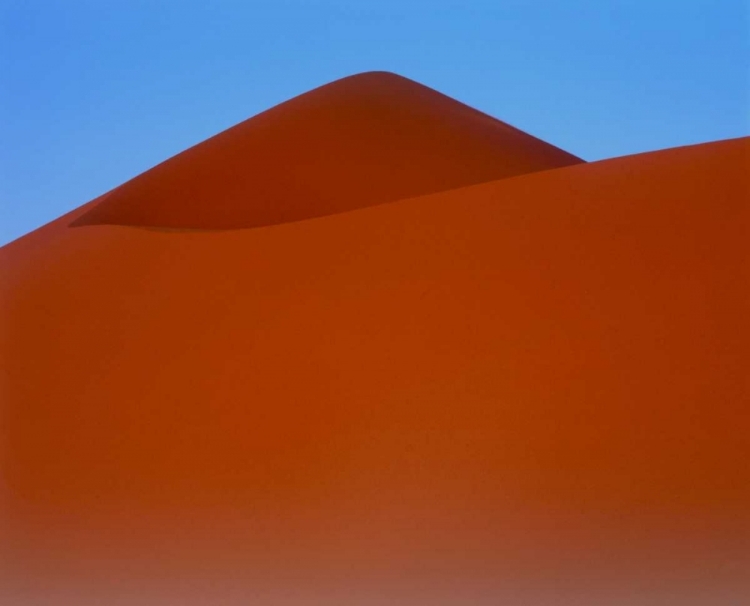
(365, 139)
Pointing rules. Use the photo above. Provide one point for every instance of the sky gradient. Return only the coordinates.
(94, 93)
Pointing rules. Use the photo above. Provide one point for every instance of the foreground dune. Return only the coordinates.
(530, 390)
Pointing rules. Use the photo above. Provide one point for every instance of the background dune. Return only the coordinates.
(363, 140)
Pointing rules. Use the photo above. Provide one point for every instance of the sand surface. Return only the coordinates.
(363, 140)
(529, 390)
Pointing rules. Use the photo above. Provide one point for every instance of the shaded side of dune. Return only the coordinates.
(363, 140)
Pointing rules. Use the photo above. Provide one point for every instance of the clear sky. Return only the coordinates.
(94, 92)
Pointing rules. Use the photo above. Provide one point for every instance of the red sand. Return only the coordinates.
(363, 140)
(532, 389)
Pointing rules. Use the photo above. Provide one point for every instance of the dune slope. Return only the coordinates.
(534, 387)
(362, 140)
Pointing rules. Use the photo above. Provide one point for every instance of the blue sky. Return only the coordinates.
(94, 92)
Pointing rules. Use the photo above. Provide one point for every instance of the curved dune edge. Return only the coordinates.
(77, 217)
(359, 141)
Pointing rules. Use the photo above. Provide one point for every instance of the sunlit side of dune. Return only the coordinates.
(401, 388)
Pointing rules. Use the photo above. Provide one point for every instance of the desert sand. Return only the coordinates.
(367, 139)
(372, 346)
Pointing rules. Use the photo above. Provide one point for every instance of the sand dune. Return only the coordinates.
(363, 140)
(532, 389)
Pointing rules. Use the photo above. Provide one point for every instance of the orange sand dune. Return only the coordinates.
(363, 140)
(531, 390)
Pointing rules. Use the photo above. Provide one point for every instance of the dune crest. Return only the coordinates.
(363, 140)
